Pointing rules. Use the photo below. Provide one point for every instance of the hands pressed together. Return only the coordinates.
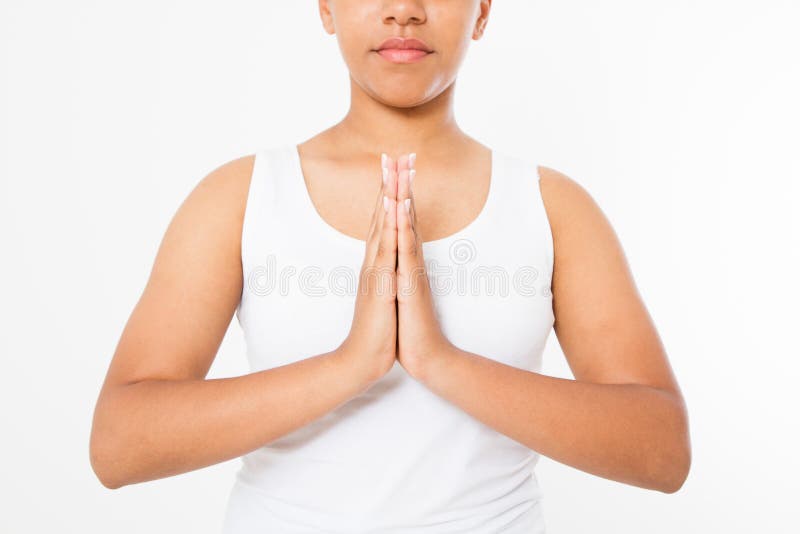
(394, 315)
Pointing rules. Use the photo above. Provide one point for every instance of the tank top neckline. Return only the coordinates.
(296, 174)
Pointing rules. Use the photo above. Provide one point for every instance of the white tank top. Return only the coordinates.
(396, 458)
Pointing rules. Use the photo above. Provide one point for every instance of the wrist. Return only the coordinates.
(352, 367)
(435, 362)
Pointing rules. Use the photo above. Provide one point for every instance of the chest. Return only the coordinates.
(446, 200)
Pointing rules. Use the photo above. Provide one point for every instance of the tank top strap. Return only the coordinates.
(273, 205)
(277, 196)
(286, 192)
(519, 206)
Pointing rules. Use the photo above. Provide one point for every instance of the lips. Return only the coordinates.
(400, 50)
(404, 44)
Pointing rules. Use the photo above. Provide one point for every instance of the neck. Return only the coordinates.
(371, 126)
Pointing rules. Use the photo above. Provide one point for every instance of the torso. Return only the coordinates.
(332, 474)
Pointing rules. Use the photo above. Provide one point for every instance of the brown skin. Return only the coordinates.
(622, 418)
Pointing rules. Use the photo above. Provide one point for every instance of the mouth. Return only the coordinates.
(403, 55)
(399, 50)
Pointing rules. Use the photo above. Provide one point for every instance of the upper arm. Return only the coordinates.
(194, 287)
(601, 322)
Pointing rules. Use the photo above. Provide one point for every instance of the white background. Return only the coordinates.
(681, 118)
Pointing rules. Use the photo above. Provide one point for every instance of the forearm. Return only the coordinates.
(630, 433)
(158, 428)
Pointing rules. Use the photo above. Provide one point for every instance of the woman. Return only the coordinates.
(394, 326)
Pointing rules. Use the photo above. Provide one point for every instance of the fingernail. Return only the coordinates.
(383, 159)
(412, 158)
(385, 203)
(407, 202)
(411, 174)
(385, 175)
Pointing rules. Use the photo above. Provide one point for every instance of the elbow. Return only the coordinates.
(101, 458)
(672, 462)
(105, 444)
(675, 477)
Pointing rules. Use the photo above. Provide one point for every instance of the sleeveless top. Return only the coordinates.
(396, 458)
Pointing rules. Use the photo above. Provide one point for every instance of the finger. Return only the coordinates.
(413, 214)
(404, 191)
(385, 262)
(409, 250)
(378, 205)
(403, 163)
(402, 178)
(394, 167)
(382, 224)
(386, 190)
(402, 167)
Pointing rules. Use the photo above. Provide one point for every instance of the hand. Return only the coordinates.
(372, 341)
(420, 338)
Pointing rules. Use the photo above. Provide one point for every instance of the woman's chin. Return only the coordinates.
(400, 97)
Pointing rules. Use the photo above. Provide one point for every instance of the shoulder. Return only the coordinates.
(229, 179)
(565, 199)
(222, 191)
(209, 219)
(576, 218)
